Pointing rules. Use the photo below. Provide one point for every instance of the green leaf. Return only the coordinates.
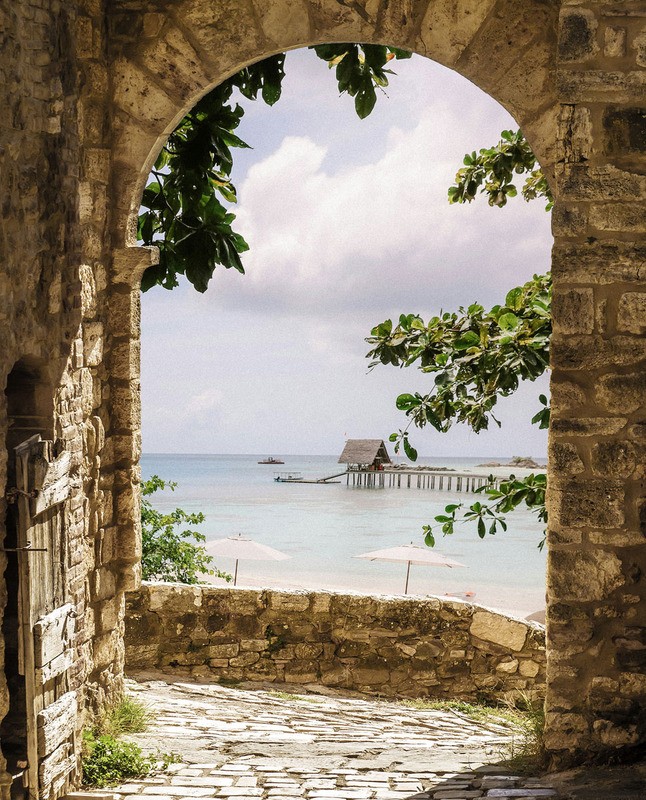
(468, 339)
(365, 100)
(514, 299)
(410, 451)
(508, 322)
(406, 401)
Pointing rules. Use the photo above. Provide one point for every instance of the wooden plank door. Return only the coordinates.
(46, 619)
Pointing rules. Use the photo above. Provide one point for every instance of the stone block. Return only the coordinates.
(622, 393)
(124, 312)
(370, 677)
(449, 26)
(597, 85)
(125, 359)
(289, 20)
(564, 458)
(223, 651)
(587, 426)
(498, 629)
(599, 262)
(625, 131)
(126, 407)
(141, 98)
(614, 459)
(584, 182)
(613, 734)
(508, 667)
(93, 343)
(631, 313)
(569, 220)
(614, 41)
(577, 34)
(308, 651)
(619, 217)
(174, 599)
(175, 63)
(566, 394)
(583, 576)
(589, 503)
(565, 731)
(244, 659)
(528, 668)
(289, 601)
(573, 310)
(575, 352)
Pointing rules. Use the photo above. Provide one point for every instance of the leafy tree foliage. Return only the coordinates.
(492, 171)
(475, 355)
(186, 205)
(168, 554)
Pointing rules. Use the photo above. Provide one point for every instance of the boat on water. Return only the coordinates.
(289, 477)
(271, 460)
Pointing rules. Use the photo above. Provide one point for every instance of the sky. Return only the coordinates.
(348, 225)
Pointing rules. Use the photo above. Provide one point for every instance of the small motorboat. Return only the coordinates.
(289, 477)
(271, 460)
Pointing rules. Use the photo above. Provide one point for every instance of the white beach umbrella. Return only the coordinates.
(240, 547)
(411, 554)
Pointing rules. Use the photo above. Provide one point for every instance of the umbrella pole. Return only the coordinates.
(407, 574)
(235, 575)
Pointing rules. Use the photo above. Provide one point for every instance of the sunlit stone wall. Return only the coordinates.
(390, 646)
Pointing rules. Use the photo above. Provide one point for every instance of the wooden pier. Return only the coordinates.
(420, 479)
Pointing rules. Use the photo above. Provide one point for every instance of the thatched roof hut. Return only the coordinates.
(364, 453)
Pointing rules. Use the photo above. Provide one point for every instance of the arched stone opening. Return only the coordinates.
(163, 62)
(558, 85)
(30, 411)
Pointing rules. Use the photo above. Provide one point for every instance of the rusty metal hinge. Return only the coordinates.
(11, 495)
(27, 547)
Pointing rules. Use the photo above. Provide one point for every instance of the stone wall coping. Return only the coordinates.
(446, 602)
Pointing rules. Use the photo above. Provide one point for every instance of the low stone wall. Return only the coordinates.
(391, 646)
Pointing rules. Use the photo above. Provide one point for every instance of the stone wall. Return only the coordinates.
(597, 498)
(56, 350)
(389, 646)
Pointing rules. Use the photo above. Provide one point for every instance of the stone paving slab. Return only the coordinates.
(261, 745)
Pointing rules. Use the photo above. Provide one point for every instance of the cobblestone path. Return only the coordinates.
(258, 744)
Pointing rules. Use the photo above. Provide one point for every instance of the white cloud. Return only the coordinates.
(348, 224)
(366, 235)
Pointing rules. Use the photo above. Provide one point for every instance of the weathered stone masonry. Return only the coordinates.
(389, 646)
(91, 89)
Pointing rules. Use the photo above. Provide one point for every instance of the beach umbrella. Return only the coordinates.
(411, 554)
(242, 548)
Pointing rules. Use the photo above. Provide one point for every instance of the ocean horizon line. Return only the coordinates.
(335, 455)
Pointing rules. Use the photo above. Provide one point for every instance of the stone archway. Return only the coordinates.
(567, 75)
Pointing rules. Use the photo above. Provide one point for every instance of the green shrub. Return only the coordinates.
(108, 761)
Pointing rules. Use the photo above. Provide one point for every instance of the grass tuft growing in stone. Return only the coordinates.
(524, 716)
(127, 715)
(108, 761)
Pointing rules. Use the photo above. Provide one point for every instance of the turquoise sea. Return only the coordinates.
(323, 526)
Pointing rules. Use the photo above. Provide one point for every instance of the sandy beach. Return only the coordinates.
(513, 602)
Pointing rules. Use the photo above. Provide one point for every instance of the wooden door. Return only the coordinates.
(46, 618)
